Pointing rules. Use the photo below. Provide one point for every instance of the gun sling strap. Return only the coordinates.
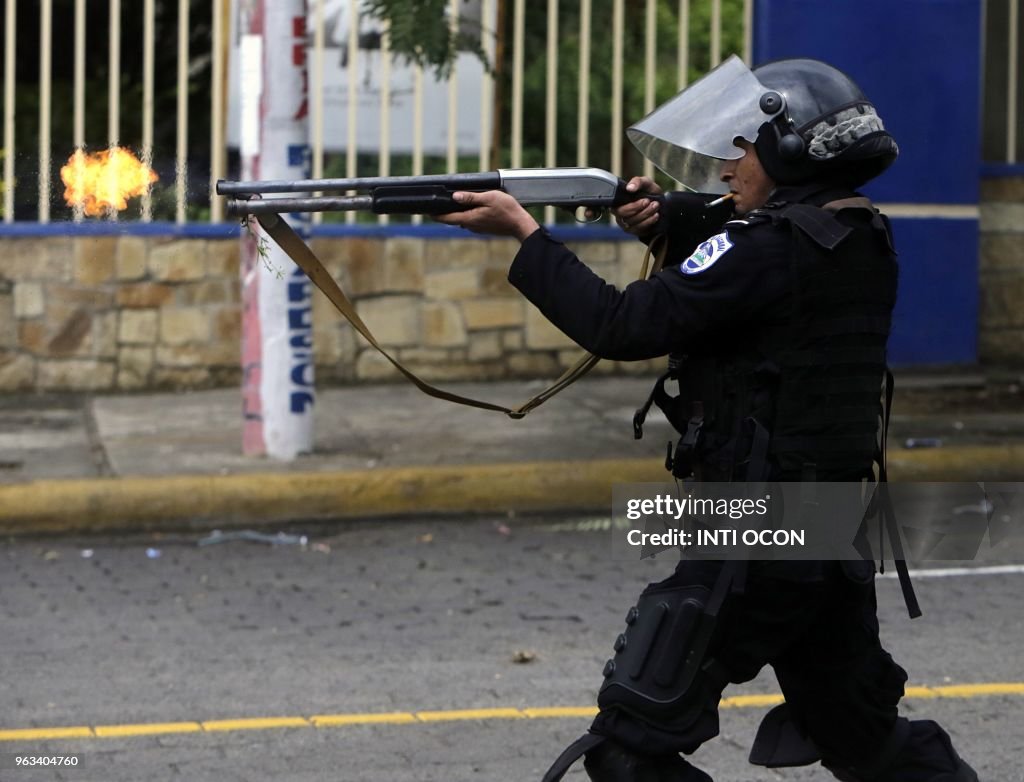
(306, 259)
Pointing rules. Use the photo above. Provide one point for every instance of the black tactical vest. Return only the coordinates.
(798, 399)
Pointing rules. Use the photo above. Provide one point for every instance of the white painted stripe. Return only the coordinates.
(925, 211)
(954, 572)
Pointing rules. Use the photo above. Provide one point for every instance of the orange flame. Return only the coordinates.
(104, 180)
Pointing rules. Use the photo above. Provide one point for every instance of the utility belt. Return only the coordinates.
(703, 451)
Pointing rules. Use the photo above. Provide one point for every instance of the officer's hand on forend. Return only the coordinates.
(492, 212)
(641, 216)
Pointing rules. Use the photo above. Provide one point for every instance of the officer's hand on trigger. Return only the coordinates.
(639, 217)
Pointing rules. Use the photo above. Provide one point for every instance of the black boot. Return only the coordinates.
(611, 762)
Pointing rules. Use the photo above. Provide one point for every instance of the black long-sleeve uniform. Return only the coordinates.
(738, 281)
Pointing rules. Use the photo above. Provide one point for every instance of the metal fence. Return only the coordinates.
(204, 71)
(186, 94)
(1003, 88)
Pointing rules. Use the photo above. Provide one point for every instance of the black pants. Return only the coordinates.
(818, 629)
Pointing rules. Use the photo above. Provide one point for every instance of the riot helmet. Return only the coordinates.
(807, 120)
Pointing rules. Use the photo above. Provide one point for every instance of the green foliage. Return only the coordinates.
(420, 32)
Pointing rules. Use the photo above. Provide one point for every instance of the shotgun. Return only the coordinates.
(574, 189)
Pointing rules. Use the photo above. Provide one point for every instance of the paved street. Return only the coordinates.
(397, 617)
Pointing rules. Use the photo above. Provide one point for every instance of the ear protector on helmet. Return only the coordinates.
(790, 145)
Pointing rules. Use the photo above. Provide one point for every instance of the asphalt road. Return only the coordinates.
(159, 661)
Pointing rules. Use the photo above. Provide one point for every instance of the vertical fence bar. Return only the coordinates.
(316, 99)
(551, 98)
(1011, 82)
(148, 45)
(417, 128)
(452, 158)
(10, 19)
(114, 83)
(518, 34)
(384, 158)
(583, 99)
(683, 46)
(78, 108)
(748, 32)
(353, 57)
(218, 168)
(486, 86)
(114, 77)
(716, 32)
(181, 154)
(650, 53)
(618, 25)
(45, 79)
(78, 101)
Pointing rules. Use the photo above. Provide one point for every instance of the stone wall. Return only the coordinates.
(139, 313)
(1001, 314)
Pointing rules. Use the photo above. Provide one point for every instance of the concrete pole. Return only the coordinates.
(277, 330)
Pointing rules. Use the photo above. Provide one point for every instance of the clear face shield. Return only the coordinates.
(691, 135)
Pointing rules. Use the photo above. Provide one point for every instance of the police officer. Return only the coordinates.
(776, 327)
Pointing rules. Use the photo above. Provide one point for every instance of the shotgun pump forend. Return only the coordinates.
(570, 188)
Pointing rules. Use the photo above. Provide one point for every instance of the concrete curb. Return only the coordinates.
(141, 503)
(107, 504)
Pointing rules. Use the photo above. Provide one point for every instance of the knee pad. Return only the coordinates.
(660, 672)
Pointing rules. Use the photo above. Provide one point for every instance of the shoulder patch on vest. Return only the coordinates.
(706, 254)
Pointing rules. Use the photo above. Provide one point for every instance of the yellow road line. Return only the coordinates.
(387, 718)
(950, 692)
(560, 712)
(748, 701)
(469, 714)
(146, 729)
(38, 734)
(256, 723)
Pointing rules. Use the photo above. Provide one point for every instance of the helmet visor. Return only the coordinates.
(693, 133)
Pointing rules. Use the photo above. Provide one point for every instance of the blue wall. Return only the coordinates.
(919, 61)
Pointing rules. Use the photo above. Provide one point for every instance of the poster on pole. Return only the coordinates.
(367, 62)
(277, 333)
